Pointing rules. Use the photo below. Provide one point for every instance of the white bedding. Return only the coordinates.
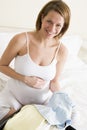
(75, 84)
(73, 81)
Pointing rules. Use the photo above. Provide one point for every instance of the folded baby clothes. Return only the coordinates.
(58, 111)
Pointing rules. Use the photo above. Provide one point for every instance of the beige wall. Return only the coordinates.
(23, 13)
(78, 17)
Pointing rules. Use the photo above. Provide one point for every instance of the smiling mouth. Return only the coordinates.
(50, 33)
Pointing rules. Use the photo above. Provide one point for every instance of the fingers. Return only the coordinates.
(35, 82)
(39, 82)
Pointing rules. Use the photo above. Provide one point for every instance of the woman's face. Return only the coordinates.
(52, 24)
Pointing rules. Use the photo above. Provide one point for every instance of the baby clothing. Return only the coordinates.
(58, 111)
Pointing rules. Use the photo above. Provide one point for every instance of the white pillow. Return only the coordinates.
(73, 44)
(5, 37)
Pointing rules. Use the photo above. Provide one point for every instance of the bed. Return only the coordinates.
(73, 79)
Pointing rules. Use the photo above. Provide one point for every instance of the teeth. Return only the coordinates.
(49, 32)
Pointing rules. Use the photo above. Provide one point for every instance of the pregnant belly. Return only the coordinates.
(28, 95)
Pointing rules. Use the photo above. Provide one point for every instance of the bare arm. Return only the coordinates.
(12, 50)
(62, 56)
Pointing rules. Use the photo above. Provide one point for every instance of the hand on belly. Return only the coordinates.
(35, 82)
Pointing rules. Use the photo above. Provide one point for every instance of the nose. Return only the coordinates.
(53, 28)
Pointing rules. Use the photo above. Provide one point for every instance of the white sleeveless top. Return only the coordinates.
(26, 94)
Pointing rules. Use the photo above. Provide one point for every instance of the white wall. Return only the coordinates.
(23, 13)
(19, 13)
(78, 17)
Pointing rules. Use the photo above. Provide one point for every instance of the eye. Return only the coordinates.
(49, 21)
(58, 25)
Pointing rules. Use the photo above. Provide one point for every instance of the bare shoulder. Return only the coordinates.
(15, 45)
(19, 38)
(63, 51)
(17, 42)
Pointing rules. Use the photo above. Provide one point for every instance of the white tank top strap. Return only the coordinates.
(57, 50)
(27, 42)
